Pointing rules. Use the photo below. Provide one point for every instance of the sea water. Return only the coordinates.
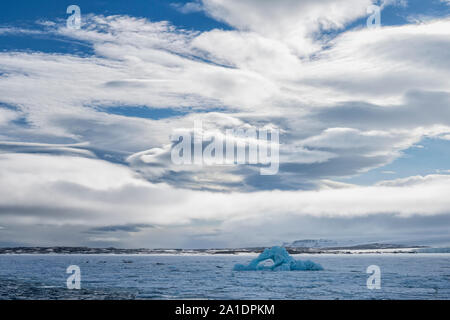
(403, 276)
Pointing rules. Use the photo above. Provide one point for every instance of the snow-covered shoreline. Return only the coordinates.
(370, 249)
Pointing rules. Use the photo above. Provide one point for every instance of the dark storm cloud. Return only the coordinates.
(421, 108)
(120, 228)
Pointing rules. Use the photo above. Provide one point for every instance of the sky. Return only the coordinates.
(87, 118)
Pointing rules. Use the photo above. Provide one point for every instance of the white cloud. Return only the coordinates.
(104, 180)
(372, 142)
(292, 22)
(69, 191)
(344, 106)
(104, 239)
(253, 77)
(189, 7)
(6, 116)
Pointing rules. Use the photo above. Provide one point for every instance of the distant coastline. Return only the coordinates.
(356, 249)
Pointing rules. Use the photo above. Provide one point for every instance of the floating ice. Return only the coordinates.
(282, 261)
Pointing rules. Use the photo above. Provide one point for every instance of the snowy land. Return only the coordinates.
(320, 246)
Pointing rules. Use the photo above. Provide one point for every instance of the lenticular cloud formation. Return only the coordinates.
(282, 261)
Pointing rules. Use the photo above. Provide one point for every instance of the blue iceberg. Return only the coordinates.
(282, 261)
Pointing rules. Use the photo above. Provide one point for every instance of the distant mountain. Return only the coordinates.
(322, 245)
(311, 243)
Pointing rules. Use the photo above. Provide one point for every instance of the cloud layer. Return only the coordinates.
(345, 100)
